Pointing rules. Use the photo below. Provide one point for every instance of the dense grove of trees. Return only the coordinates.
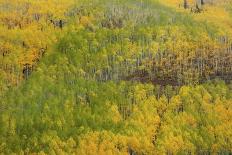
(112, 77)
(27, 29)
(56, 112)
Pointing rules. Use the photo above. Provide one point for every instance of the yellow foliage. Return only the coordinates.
(85, 20)
(215, 14)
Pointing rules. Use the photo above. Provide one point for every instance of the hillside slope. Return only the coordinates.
(114, 77)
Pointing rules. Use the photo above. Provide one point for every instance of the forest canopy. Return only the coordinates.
(115, 77)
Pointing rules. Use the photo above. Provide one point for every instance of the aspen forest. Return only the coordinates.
(115, 77)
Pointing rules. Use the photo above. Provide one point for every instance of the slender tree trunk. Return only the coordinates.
(185, 4)
(202, 2)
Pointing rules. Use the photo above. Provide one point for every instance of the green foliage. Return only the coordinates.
(82, 96)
